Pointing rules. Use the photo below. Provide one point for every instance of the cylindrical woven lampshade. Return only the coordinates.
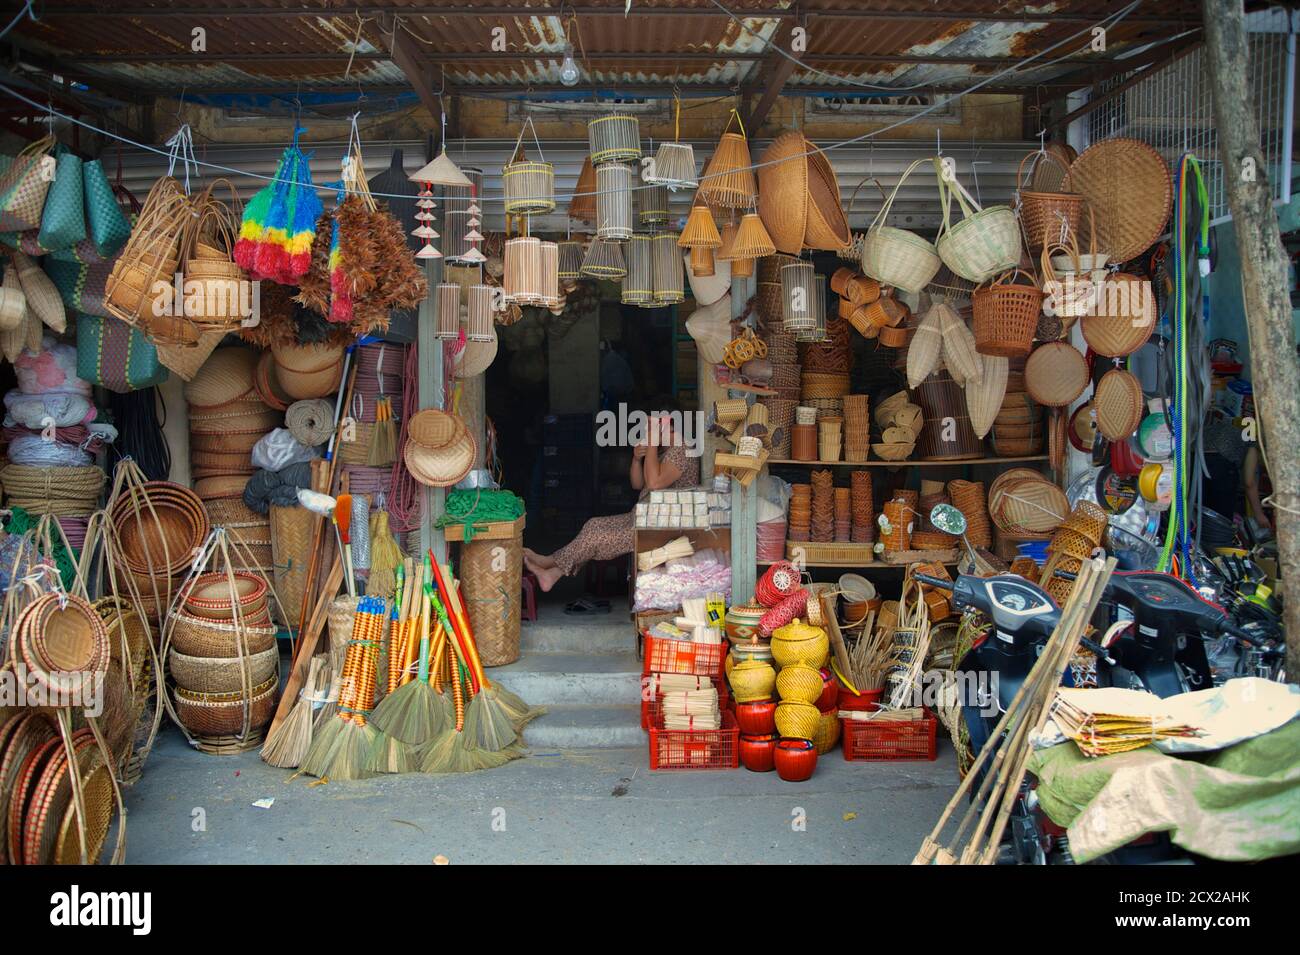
(638, 284)
(529, 186)
(459, 198)
(667, 262)
(570, 260)
(702, 262)
(798, 298)
(675, 166)
(454, 244)
(480, 314)
(448, 311)
(614, 138)
(604, 260)
(818, 332)
(549, 288)
(582, 206)
(614, 201)
(701, 232)
(523, 270)
(728, 178)
(652, 204)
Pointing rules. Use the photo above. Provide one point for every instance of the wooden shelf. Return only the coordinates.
(870, 565)
(907, 464)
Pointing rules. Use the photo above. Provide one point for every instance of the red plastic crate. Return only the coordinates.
(683, 656)
(650, 708)
(696, 749)
(867, 740)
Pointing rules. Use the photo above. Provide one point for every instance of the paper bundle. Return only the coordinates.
(1114, 720)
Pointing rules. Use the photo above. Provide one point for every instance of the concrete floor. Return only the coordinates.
(581, 806)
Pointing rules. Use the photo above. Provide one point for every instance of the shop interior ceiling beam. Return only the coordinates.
(638, 9)
(419, 71)
(69, 101)
(1275, 374)
(774, 71)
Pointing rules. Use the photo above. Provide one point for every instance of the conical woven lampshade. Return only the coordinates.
(582, 206)
(570, 260)
(442, 171)
(728, 180)
(675, 166)
(604, 260)
(701, 232)
(751, 241)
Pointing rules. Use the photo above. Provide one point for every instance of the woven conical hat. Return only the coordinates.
(443, 172)
(224, 377)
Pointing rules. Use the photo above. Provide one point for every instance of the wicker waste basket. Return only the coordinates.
(491, 571)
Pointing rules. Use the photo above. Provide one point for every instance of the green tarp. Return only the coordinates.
(1240, 804)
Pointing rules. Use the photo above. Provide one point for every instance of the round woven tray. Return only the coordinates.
(1119, 404)
(99, 802)
(1127, 186)
(1124, 318)
(1056, 374)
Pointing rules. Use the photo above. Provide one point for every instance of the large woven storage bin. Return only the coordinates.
(491, 576)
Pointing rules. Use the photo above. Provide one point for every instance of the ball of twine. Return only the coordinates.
(310, 421)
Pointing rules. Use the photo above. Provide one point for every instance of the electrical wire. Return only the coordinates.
(140, 432)
(1105, 23)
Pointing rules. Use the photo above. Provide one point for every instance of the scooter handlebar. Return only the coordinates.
(933, 581)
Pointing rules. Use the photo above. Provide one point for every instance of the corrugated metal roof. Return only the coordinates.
(83, 32)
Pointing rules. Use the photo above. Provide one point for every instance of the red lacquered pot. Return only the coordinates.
(758, 753)
(866, 700)
(795, 760)
(756, 719)
(829, 700)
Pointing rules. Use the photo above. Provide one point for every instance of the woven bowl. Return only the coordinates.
(211, 598)
(797, 720)
(200, 637)
(159, 525)
(799, 683)
(752, 681)
(225, 442)
(222, 714)
(221, 674)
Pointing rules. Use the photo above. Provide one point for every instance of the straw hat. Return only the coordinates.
(226, 376)
(708, 289)
(439, 450)
(475, 357)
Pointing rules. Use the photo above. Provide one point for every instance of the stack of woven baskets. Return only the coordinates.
(925, 536)
(823, 506)
(1018, 427)
(968, 497)
(857, 428)
(862, 530)
(783, 355)
(1072, 543)
(223, 659)
(227, 417)
(160, 526)
(900, 423)
(799, 522)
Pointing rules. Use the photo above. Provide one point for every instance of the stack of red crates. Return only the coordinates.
(871, 740)
(689, 749)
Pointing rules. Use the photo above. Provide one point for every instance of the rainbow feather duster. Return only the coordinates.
(279, 224)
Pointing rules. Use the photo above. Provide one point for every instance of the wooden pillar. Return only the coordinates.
(431, 391)
(744, 500)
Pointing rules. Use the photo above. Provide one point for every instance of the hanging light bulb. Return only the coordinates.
(569, 73)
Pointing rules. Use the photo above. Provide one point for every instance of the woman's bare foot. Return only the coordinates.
(547, 576)
(534, 559)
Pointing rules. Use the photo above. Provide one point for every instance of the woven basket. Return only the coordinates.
(307, 371)
(985, 243)
(225, 377)
(897, 257)
(218, 675)
(225, 442)
(1006, 315)
(800, 643)
(197, 637)
(799, 683)
(752, 681)
(491, 572)
(1118, 403)
(291, 540)
(828, 732)
(818, 385)
(231, 512)
(222, 714)
(797, 720)
(222, 463)
(150, 256)
(1124, 317)
(1026, 504)
(1056, 374)
(1127, 184)
(159, 526)
(211, 596)
(1046, 213)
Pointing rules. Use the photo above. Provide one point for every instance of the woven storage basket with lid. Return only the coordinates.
(1119, 404)
(797, 720)
(1126, 183)
(308, 371)
(985, 243)
(225, 377)
(752, 681)
(1056, 374)
(895, 256)
(798, 642)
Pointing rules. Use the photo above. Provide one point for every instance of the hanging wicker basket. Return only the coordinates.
(1050, 214)
(1006, 315)
(985, 243)
(529, 185)
(895, 256)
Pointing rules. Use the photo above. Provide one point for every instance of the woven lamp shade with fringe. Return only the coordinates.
(638, 284)
(604, 260)
(480, 314)
(667, 274)
(728, 178)
(529, 187)
(652, 205)
(674, 166)
(614, 138)
(614, 202)
(448, 298)
(570, 265)
(582, 206)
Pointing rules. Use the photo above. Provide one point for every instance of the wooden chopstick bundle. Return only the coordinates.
(692, 709)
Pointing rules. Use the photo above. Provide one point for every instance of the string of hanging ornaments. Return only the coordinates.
(462, 244)
(701, 238)
(674, 163)
(440, 171)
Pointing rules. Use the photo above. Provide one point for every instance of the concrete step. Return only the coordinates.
(610, 633)
(585, 727)
(598, 679)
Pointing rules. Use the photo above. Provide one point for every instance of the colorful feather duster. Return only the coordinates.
(279, 224)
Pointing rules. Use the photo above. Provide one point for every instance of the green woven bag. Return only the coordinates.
(116, 356)
(81, 285)
(108, 227)
(63, 220)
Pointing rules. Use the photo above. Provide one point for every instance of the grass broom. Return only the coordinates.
(342, 749)
(287, 744)
(391, 755)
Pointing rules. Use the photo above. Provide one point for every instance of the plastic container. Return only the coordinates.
(696, 749)
(683, 656)
(870, 741)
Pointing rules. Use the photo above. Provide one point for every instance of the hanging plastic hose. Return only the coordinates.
(1190, 262)
(140, 432)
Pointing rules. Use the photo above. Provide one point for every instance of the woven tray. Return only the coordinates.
(1127, 185)
(1056, 374)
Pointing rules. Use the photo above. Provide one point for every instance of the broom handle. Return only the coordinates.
(445, 613)
(462, 629)
(423, 673)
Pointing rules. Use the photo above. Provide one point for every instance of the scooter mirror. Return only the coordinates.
(948, 519)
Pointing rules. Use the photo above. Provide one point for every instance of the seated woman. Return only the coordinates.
(660, 462)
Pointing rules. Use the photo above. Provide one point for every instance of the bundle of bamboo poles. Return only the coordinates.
(999, 770)
(692, 709)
